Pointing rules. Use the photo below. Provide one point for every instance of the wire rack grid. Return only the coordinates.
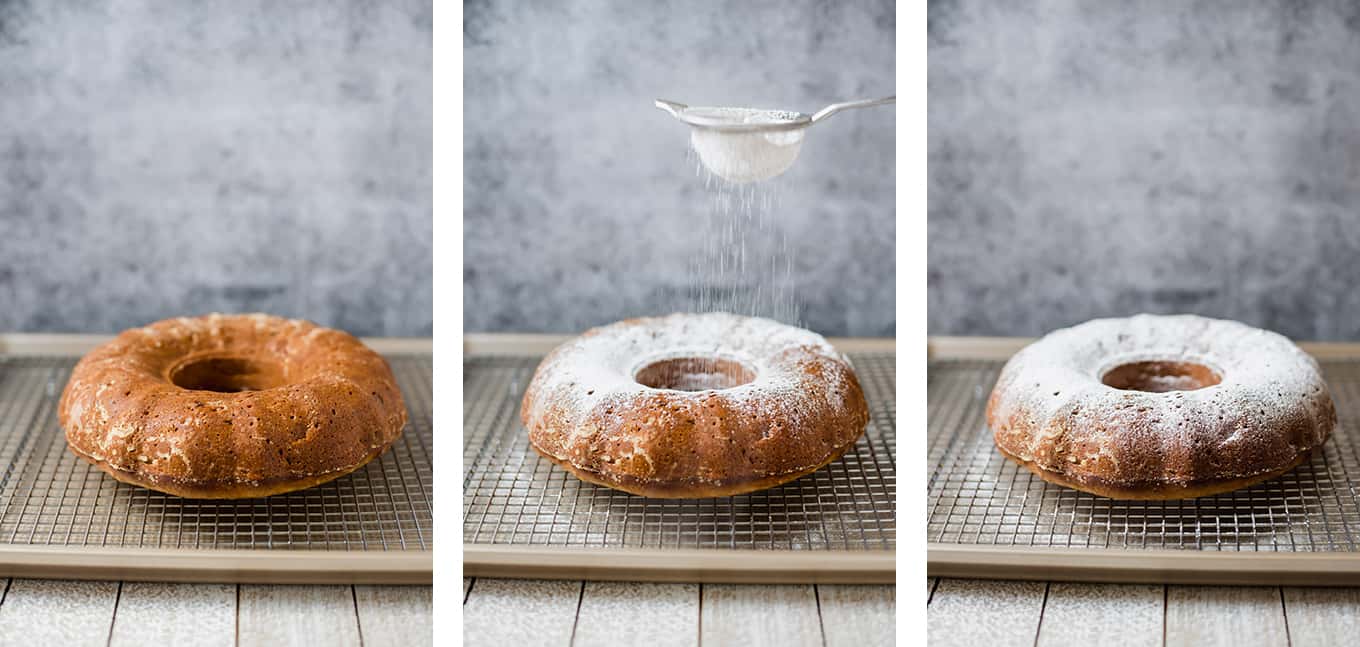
(978, 497)
(512, 496)
(48, 496)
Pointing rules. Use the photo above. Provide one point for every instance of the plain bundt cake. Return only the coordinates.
(1160, 407)
(694, 405)
(227, 407)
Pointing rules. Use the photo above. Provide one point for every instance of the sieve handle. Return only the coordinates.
(837, 107)
(672, 107)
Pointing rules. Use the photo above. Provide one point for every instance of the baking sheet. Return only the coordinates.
(988, 517)
(523, 516)
(61, 517)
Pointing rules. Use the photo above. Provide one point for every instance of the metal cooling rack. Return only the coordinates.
(50, 498)
(513, 498)
(977, 496)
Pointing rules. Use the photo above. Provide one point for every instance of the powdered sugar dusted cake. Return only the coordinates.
(694, 405)
(1160, 407)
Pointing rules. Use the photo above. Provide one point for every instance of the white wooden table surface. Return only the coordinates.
(999, 613)
(504, 612)
(70, 613)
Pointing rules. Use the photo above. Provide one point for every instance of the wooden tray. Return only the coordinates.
(58, 512)
(1001, 522)
(505, 480)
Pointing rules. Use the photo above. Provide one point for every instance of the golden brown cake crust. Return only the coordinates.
(1160, 407)
(585, 410)
(1152, 490)
(319, 405)
(696, 489)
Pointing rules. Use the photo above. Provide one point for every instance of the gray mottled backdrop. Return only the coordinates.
(167, 158)
(1095, 159)
(580, 206)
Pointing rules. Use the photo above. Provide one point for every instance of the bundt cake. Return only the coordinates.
(228, 407)
(694, 405)
(1160, 407)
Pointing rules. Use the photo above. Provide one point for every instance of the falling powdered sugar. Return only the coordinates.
(744, 264)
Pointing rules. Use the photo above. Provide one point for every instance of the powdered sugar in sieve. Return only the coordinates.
(743, 157)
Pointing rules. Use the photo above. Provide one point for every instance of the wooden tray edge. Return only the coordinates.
(1143, 566)
(681, 565)
(217, 566)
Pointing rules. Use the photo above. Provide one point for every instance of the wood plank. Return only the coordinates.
(395, 615)
(502, 612)
(1082, 614)
(1322, 616)
(296, 615)
(857, 615)
(985, 612)
(1230, 616)
(762, 614)
(638, 613)
(57, 612)
(155, 613)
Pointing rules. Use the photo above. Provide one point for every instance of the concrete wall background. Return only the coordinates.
(159, 159)
(1092, 159)
(580, 206)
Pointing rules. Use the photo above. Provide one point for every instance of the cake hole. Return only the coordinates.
(1161, 376)
(227, 374)
(694, 374)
